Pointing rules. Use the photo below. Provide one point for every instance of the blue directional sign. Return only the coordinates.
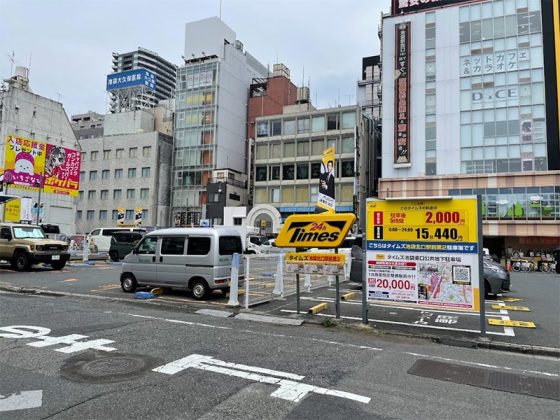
(131, 78)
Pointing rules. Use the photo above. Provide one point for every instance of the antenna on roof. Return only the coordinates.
(12, 58)
(220, 9)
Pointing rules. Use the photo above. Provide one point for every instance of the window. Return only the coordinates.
(173, 245)
(276, 128)
(102, 214)
(80, 195)
(144, 192)
(303, 171)
(105, 174)
(348, 120)
(198, 246)
(275, 173)
(289, 127)
(303, 125)
(332, 122)
(90, 214)
(119, 153)
(91, 195)
(117, 194)
(106, 154)
(130, 193)
(146, 172)
(79, 215)
(229, 245)
(275, 151)
(93, 155)
(92, 175)
(289, 149)
(260, 173)
(147, 246)
(132, 172)
(288, 172)
(303, 148)
(315, 170)
(132, 152)
(347, 168)
(317, 147)
(82, 176)
(318, 124)
(262, 151)
(262, 129)
(104, 194)
(129, 215)
(275, 195)
(144, 215)
(118, 173)
(83, 156)
(146, 151)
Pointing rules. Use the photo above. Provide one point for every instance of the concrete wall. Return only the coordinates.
(141, 121)
(207, 36)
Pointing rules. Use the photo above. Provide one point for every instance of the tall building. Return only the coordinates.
(165, 75)
(88, 125)
(369, 86)
(211, 112)
(26, 115)
(470, 106)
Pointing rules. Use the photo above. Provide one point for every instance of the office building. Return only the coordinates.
(88, 125)
(369, 86)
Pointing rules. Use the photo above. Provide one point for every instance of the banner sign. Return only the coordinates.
(62, 170)
(424, 251)
(138, 215)
(24, 162)
(325, 199)
(26, 209)
(131, 78)
(315, 263)
(402, 93)
(400, 7)
(13, 211)
(120, 215)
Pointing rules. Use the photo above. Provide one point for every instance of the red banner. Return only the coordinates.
(402, 93)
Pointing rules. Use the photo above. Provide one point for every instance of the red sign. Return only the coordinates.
(410, 6)
(402, 93)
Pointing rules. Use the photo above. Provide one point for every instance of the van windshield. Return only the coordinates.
(230, 245)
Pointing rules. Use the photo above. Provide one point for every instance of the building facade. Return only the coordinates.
(211, 113)
(88, 125)
(369, 86)
(28, 115)
(127, 168)
(470, 107)
(164, 71)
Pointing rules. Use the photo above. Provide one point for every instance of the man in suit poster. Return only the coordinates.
(326, 198)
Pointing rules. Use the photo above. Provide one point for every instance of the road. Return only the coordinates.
(92, 358)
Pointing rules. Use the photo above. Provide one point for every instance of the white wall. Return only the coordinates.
(207, 35)
(231, 213)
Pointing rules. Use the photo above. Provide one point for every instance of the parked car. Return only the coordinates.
(122, 244)
(99, 240)
(23, 245)
(496, 278)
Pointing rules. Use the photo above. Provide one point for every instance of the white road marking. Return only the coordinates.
(21, 400)
(177, 321)
(288, 389)
(505, 316)
(482, 364)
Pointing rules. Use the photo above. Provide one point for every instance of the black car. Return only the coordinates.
(122, 243)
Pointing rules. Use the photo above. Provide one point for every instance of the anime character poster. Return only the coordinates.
(24, 162)
(62, 170)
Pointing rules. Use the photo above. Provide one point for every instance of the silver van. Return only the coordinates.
(196, 259)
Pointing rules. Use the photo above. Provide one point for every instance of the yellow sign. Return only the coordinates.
(315, 263)
(24, 162)
(512, 308)
(418, 220)
(326, 230)
(510, 323)
(13, 211)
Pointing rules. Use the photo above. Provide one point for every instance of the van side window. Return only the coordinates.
(109, 232)
(173, 246)
(95, 232)
(230, 245)
(148, 246)
(198, 246)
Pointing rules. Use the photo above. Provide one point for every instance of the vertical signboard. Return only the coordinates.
(402, 93)
(424, 251)
(120, 215)
(138, 215)
(326, 198)
(24, 162)
(62, 170)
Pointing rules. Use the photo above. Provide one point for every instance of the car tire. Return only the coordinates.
(128, 283)
(21, 261)
(199, 289)
(58, 265)
(114, 256)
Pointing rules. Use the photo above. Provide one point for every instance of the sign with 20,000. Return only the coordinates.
(424, 251)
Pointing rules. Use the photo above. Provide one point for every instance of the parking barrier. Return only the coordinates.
(317, 308)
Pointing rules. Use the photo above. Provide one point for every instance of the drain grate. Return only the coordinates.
(487, 378)
(96, 367)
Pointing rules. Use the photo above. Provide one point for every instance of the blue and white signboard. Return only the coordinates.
(131, 78)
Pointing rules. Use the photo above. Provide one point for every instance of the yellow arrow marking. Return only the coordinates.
(511, 299)
(510, 323)
(512, 308)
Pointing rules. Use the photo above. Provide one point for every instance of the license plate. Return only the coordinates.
(55, 257)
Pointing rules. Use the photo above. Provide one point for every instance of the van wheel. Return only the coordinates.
(21, 261)
(199, 289)
(128, 283)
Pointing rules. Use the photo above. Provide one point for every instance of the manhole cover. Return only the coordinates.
(96, 367)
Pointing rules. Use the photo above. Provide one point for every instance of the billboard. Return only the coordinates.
(131, 78)
(402, 93)
(24, 162)
(62, 170)
(325, 198)
(400, 7)
(424, 251)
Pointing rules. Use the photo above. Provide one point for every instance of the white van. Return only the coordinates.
(99, 240)
(196, 259)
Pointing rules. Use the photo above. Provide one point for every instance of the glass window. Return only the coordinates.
(289, 127)
(79, 215)
(82, 176)
(132, 152)
(347, 168)
(148, 245)
(303, 171)
(129, 215)
(288, 194)
(315, 170)
(91, 195)
(118, 173)
(302, 148)
(228, 245)
(318, 124)
(173, 245)
(348, 120)
(93, 155)
(144, 192)
(302, 194)
(332, 122)
(303, 125)
(262, 151)
(119, 153)
(317, 147)
(106, 154)
(275, 195)
(465, 31)
(347, 145)
(288, 172)
(260, 173)
(130, 193)
(117, 194)
(105, 174)
(146, 151)
(90, 214)
(132, 172)
(262, 129)
(92, 175)
(146, 172)
(275, 173)
(289, 149)
(102, 214)
(275, 151)
(104, 194)
(80, 195)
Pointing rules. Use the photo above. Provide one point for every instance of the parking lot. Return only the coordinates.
(533, 298)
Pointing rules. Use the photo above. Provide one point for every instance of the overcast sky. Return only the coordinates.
(69, 42)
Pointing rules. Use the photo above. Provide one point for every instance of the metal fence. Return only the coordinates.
(266, 278)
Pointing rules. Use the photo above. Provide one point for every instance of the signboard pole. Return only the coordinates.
(481, 285)
(337, 302)
(363, 205)
(297, 288)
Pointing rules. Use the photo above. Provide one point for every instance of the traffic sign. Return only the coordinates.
(326, 230)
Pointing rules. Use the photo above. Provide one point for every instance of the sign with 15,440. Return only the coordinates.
(423, 251)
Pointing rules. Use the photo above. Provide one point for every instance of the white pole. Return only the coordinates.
(234, 283)
(279, 283)
(247, 274)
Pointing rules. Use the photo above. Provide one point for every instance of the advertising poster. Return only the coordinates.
(315, 263)
(26, 209)
(13, 211)
(24, 161)
(120, 215)
(424, 252)
(62, 170)
(326, 199)
(402, 94)
(138, 215)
